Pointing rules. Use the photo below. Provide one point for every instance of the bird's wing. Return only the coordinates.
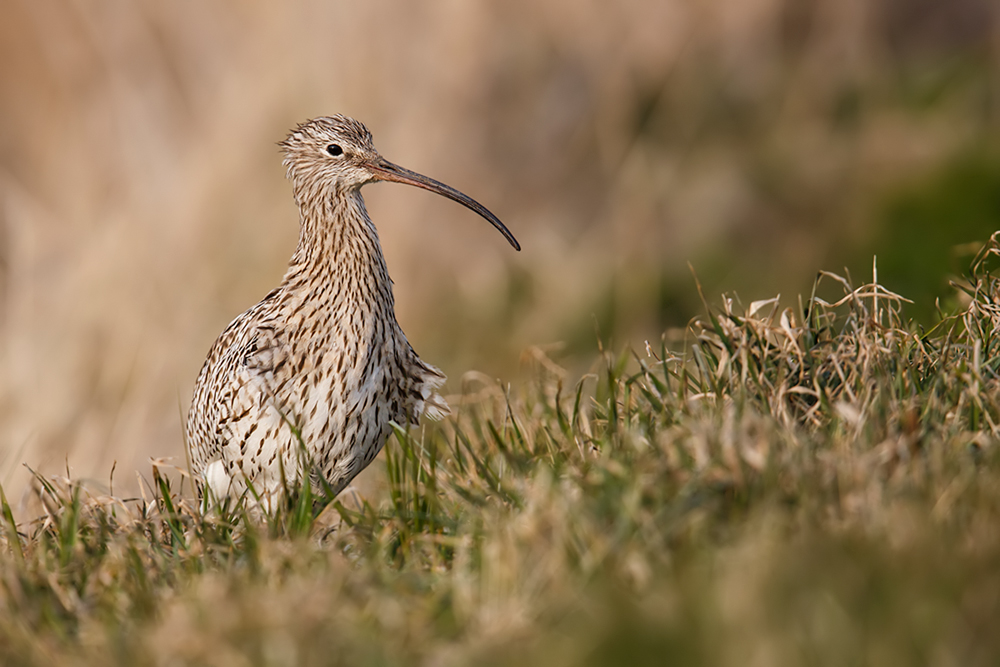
(258, 420)
(263, 359)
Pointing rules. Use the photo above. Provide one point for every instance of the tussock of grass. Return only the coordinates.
(809, 485)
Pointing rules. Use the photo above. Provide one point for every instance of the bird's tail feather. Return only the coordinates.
(430, 401)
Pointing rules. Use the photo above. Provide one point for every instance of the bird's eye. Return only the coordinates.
(334, 150)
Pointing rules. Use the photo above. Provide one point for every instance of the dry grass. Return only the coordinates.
(812, 485)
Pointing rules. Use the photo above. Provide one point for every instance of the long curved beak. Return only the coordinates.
(387, 171)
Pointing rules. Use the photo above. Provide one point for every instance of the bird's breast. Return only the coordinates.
(344, 381)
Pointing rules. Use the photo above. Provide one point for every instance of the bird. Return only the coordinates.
(309, 382)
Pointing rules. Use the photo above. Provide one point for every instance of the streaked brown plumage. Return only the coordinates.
(321, 362)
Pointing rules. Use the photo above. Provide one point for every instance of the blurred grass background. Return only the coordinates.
(143, 204)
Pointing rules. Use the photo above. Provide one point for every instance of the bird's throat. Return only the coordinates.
(339, 254)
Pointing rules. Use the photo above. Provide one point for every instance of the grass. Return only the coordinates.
(780, 486)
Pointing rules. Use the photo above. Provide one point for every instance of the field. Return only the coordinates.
(641, 466)
(817, 484)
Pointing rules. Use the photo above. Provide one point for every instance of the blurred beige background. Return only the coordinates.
(143, 204)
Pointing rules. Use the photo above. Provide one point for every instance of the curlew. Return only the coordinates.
(315, 373)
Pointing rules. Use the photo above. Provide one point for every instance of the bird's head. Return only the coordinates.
(335, 153)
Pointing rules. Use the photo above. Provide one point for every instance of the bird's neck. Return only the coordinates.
(339, 251)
